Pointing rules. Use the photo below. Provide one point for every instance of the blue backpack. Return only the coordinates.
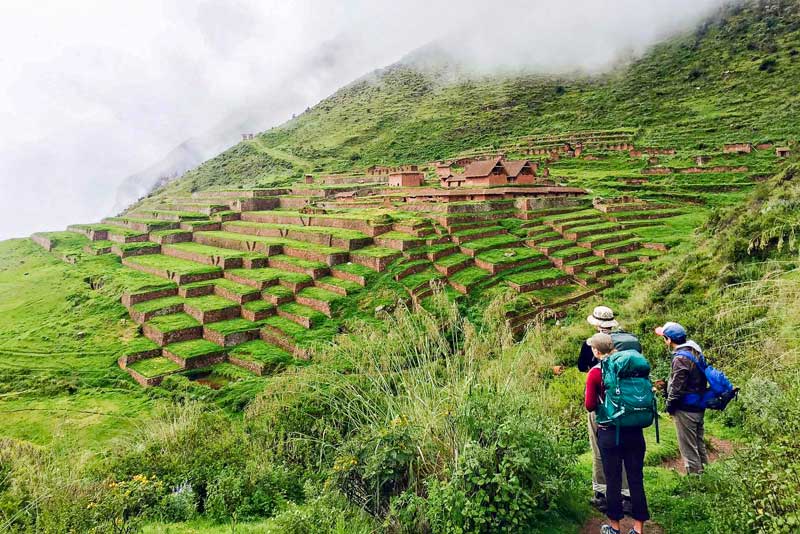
(720, 390)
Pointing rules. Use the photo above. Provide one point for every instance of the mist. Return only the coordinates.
(93, 92)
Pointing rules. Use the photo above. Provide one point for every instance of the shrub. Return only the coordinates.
(509, 473)
(256, 491)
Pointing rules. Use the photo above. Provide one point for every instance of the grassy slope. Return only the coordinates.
(732, 79)
(58, 347)
(59, 338)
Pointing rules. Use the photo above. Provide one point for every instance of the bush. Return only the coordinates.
(509, 473)
(256, 491)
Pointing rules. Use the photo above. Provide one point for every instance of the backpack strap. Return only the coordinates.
(701, 363)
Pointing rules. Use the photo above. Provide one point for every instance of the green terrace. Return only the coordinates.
(153, 367)
(173, 322)
(207, 250)
(269, 357)
(244, 239)
(279, 292)
(469, 276)
(208, 303)
(487, 243)
(452, 260)
(510, 255)
(193, 349)
(416, 280)
(339, 233)
(265, 276)
(304, 338)
(233, 326)
(346, 286)
(375, 252)
(530, 277)
(169, 263)
(320, 294)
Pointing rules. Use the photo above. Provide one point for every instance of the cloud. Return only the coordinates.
(94, 91)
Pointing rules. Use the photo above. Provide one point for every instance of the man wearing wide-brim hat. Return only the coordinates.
(604, 321)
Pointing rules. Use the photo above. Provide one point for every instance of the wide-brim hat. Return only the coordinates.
(602, 316)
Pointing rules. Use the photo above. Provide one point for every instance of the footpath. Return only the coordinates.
(662, 460)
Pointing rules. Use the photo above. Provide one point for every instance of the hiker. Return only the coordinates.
(602, 318)
(686, 379)
(619, 446)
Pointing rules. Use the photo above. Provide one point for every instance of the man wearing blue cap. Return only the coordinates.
(686, 378)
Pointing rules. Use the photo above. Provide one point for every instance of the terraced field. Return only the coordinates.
(258, 278)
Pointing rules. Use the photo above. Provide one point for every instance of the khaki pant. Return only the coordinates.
(598, 477)
(691, 429)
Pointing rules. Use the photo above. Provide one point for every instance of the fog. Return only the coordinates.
(93, 92)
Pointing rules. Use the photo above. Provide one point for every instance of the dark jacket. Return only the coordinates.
(622, 341)
(685, 377)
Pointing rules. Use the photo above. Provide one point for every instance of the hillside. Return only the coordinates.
(377, 350)
(730, 80)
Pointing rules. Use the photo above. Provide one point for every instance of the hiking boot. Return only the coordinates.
(608, 529)
(627, 505)
(599, 501)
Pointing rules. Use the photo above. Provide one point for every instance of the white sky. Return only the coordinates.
(92, 91)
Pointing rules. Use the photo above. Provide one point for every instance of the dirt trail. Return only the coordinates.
(719, 448)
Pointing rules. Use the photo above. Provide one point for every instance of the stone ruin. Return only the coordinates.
(737, 148)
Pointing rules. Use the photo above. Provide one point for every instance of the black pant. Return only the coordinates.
(629, 451)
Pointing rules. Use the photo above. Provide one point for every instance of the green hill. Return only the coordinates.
(732, 79)
(386, 361)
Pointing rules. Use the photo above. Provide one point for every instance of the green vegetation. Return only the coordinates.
(320, 294)
(469, 276)
(206, 250)
(433, 418)
(177, 265)
(153, 367)
(257, 351)
(452, 259)
(157, 304)
(302, 311)
(279, 291)
(374, 252)
(209, 303)
(194, 348)
(529, 277)
(232, 326)
(258, 305)
(323, 230)
(350, 287)
(356, 269)
(491, 242)
(233, 287)
(509, 255)
(172, 322)
(299, 262)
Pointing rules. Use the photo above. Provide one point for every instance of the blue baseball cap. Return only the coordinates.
(672, 331)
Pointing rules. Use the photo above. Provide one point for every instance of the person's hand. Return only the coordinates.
(660, 386)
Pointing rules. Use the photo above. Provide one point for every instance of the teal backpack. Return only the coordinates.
(629, 400)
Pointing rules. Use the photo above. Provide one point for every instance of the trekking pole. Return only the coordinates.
(655, 406)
